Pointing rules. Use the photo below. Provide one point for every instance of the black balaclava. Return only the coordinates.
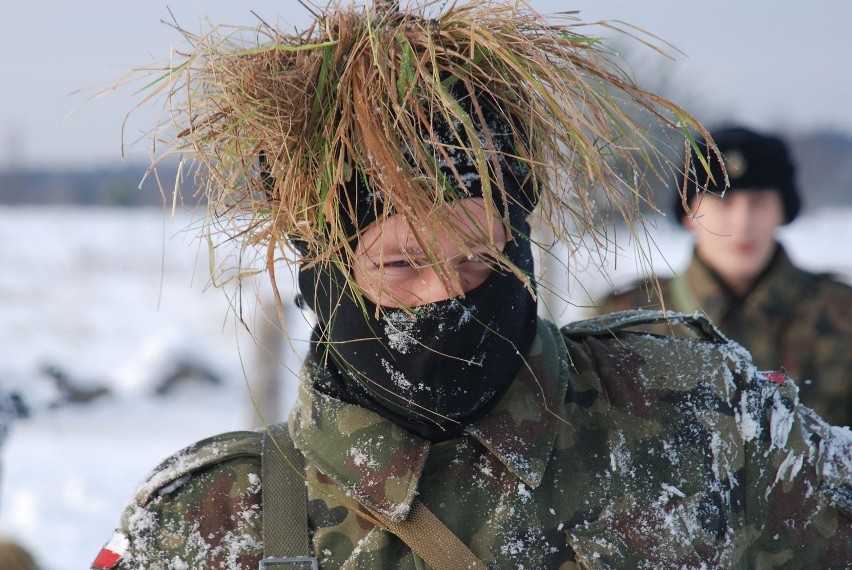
(434, 368)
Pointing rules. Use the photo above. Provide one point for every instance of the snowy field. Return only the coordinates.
(118, 299)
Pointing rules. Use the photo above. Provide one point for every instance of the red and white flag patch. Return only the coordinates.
(113, 552)
(774, 377)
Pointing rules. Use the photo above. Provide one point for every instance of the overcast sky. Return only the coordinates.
(776, 64)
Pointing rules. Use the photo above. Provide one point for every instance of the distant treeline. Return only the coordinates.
(824, 161)
(823, 169)
(112, 185)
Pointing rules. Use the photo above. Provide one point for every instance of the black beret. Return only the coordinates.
(754, 161)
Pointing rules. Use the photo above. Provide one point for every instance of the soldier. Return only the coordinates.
(440, 423)
(742, 279)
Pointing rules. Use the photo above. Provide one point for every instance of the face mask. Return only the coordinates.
(433, 369)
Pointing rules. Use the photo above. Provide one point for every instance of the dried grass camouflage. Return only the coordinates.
(357, 94)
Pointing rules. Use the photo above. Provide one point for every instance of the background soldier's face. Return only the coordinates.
(735, 235)
(397, 266)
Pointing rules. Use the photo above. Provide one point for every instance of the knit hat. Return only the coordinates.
(753, 161)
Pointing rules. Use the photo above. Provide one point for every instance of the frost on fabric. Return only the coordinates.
(362, 458)
(780, 421)
(162, 541)
(788, 469)
(837, 452)
(234, 545)
(167, 478)
(466, 315)
(749, 415)
(397, 377)
(398, 330)
(741, 363)
(723, 469)
(681, 519)
(835, 449)
(371, 541)
(141, 526)
(513, 547)
(254, 482)
(174, 485)
(402, 331)
(803, 438)
(147, 535)
(667, 492)
(620, 458)
(752, 404)
(664, 530)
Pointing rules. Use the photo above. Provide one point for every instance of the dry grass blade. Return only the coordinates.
(278, 123)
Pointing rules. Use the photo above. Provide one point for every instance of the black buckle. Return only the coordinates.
(271, 562)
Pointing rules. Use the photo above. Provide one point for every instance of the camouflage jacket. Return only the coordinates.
(792, 320)
(610, 450)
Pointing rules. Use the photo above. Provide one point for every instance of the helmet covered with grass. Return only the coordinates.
(302, 139)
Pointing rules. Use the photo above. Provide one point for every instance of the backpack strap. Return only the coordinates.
(286, 544)
(430, 538)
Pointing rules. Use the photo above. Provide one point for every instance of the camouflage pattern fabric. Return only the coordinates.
(610, 450)
(792, 320)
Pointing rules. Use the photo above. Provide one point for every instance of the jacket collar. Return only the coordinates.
(717, 300)
(379, 464)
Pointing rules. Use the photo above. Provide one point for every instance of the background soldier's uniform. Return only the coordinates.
(612, 450)
(791, 319)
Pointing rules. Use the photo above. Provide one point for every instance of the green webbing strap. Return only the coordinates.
(286, 544)
(430, 538)
(285, 504)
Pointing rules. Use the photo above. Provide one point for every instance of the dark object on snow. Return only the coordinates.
(72, 391)
(12, 407)
(19, 407)
(185, 371)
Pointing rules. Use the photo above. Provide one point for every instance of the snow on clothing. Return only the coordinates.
(609, 450)
(791, 319)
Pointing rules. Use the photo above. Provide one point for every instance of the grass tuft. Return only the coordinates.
(275, 124)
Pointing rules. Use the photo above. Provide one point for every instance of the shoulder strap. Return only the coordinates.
(430, 538)
(285, 503)
(285, 516)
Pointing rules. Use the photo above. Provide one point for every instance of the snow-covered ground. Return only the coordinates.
(119, 297)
